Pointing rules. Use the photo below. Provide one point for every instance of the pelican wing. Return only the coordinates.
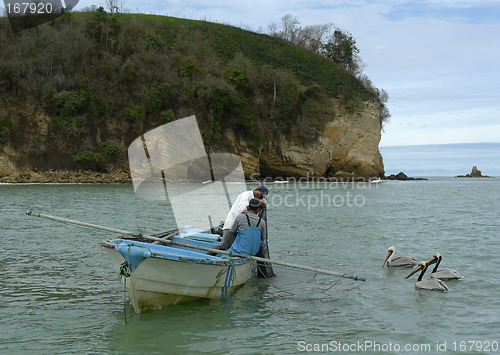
(402, 261)
(431, 285)
(446, 274)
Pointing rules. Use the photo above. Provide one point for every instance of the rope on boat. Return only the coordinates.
(336, 282)
(125, 300)
(230, 276)
(227, 281)
(125, 271)
(272, 284)
(291, 293)
(266, 269)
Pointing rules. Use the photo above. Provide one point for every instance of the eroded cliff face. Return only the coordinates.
(346, 148)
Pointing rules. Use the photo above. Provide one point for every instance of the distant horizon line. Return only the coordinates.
(435, 144)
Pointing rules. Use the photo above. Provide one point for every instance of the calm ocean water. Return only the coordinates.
(58, 293)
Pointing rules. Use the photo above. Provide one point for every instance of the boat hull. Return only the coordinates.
(158, 281)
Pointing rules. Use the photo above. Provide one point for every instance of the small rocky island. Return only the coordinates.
(402, 177)
(475, 173)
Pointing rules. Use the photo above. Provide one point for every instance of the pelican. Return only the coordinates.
(400, 261)
(431, 284)
(445, 274)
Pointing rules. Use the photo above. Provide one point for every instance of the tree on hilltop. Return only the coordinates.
(341, 47)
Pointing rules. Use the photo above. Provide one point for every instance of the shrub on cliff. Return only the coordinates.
(108, 150)
(88, 160)
(5, 128)
(97, 161)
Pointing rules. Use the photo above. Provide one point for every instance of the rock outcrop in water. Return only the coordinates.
(475, 173)
(402, 177)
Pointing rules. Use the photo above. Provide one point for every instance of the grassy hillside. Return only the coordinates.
(104, 79)
(310, 68)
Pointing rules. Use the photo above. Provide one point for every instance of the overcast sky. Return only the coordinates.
(439, 61)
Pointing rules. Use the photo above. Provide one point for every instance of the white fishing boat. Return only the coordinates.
(158, 275)
(179, 269)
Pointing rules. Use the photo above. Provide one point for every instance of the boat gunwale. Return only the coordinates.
(202, 259)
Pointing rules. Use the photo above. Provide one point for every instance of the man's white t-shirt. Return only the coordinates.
(239, 206)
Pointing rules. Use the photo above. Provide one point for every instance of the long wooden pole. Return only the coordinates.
(90, 225)
(277, 262)
(170, 242)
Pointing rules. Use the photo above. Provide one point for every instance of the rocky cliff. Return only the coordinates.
(347, 147)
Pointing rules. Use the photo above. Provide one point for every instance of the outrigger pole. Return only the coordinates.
(171, 242)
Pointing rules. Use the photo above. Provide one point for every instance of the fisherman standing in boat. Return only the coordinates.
(240, 206)
(246, 232)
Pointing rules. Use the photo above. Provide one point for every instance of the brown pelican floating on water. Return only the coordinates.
(431, 284)
(400, 261)
(445, 274)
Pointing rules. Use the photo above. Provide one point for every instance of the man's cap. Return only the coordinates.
(255, 203)
(264, 190)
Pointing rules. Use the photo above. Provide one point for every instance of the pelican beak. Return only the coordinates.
(417, 268)
(435, 258)
(387, 257)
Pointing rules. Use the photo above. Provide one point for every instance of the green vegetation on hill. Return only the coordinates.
(309, 67)
(104, 77)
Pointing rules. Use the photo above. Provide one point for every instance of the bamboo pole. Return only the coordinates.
(277, 262)
(90, 225)
(167, 237)
(171, 242)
